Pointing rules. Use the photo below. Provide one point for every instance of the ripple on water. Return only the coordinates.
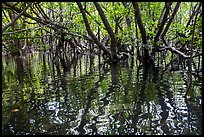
(65, 104)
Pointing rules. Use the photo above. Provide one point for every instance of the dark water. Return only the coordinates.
(86, 96)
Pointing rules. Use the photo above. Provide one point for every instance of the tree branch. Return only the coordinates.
(16, 18)
(22, 30)
(171, 19)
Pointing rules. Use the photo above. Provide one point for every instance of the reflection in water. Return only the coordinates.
(44, 94)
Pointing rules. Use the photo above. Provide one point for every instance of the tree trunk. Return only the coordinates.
(191, 59)
(16, 42)
(193, 14)
(101, 46)
(109, 29)
(171, 19)
(138, 20)
(167, 5)
(161, 26)
(128, 23)
(61, 39)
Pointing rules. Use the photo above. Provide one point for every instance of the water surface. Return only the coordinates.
(64, 96)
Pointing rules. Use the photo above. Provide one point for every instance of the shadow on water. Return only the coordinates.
(43, 94)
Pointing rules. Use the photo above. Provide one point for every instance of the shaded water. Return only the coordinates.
(87, 96)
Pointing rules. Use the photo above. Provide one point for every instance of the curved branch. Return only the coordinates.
(39, 20)
(16, 18)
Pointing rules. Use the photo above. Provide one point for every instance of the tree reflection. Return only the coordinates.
(76, 96)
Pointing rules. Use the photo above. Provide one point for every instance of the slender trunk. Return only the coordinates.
(101, 46)
(116, 25)
(42, 11)
(156, 38)
(191, 59)
(138, 20)
(128, 23)
(109, 29)
(160, 18)
(16, 42)
(78, 44)
(193, 14)
(61, 39)
(171, 19)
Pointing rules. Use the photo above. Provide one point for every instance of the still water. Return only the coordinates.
(85, 96)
